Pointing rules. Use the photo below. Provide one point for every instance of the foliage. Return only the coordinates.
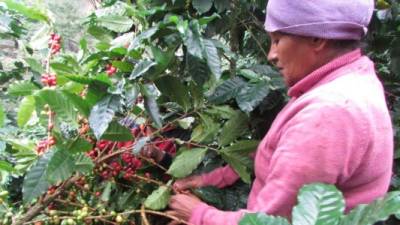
(187, 77)
(324, 204)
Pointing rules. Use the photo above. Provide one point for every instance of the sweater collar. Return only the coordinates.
(313, 78)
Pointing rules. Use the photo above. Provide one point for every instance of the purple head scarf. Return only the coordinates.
(330, 19)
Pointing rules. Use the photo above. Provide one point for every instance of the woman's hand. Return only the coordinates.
(182, 206)
(187, 183)
(152, 152)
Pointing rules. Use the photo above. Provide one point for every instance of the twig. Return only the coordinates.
(143, 215)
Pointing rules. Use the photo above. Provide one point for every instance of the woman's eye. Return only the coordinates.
(275, 41)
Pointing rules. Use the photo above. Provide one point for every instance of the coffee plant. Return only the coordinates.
(187, 77)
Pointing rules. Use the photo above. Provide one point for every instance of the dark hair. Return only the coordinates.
(347, 44)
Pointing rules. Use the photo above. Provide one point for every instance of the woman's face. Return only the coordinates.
(292, 55)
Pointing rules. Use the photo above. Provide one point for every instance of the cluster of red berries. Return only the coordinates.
(45, 144)
(110, 70)
(55, 43)
(49, 79)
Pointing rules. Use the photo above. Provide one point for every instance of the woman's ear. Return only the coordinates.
(319, 44)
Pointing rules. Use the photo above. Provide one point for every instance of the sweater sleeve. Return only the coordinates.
(220, 177)
(321, 143)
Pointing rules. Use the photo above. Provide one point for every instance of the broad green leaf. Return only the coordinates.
(186, 162)
(223, 111)
(30, 12)
(142, 36)
(262, 219)
(20, 144)
(25, 110)
(227, 90)
(379, 210)
(151, 106)
(237, 156)
(250, 96)
(233, 128)
(40, 39)
(202, 6)
(122, 41)
(185, 123)
(58, 103)
(117, 132)
(105, 196)
(142, 68)
(197, 69)
(175, 90)
(102, 114)
(115, 23)
(78, 145)
(78, 102)
(123, 66)
(22, 88)
(62, 68)
(80, 79)
(100, 33)
(35, 181)
(318, 204)
(158, 199)
(239, 164)
(35, 65)
(206, 131)
(194, 41)
(207, 19)
(222, 5)
(83, 164)
(61, 166)
(6, 166)
(2, 115)
(213, 61)
(139, 144)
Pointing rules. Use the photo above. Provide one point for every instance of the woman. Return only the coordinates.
(335, 129)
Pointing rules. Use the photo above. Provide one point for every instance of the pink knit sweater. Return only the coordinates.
(336, 129)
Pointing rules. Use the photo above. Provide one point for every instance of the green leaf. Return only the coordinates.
(117, 132)
(22, 88)
(30, 12)
(78, 102)
(250, 96)
(202, 6)
(233, 128)
(35, 65)
(6, 166)
(151, 106)
(123, 66)
(100, 33)
(227, 90)
(105, 196)
(186, 162)
(379, 210)
(141, 68)
(142, 36)
(35, 181)
(197, 69)
(2, 115)
(83, 164)
(25, 110)
(194, 41)
(58, 103)
(158, 199)
(62, 69)
(206, 131)
(115, 23)
(102, 114)
(212, 57)
(318, 204)
(237, 156)
(222, 5)
(175, 90)
(207, 19)
(262, 219)
(223, 112)
(139, 144)
(78, 145)
(61, 166)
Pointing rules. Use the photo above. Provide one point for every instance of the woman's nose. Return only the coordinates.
(272, 56)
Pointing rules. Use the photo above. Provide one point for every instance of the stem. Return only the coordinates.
(40, 205)
(143, 215)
